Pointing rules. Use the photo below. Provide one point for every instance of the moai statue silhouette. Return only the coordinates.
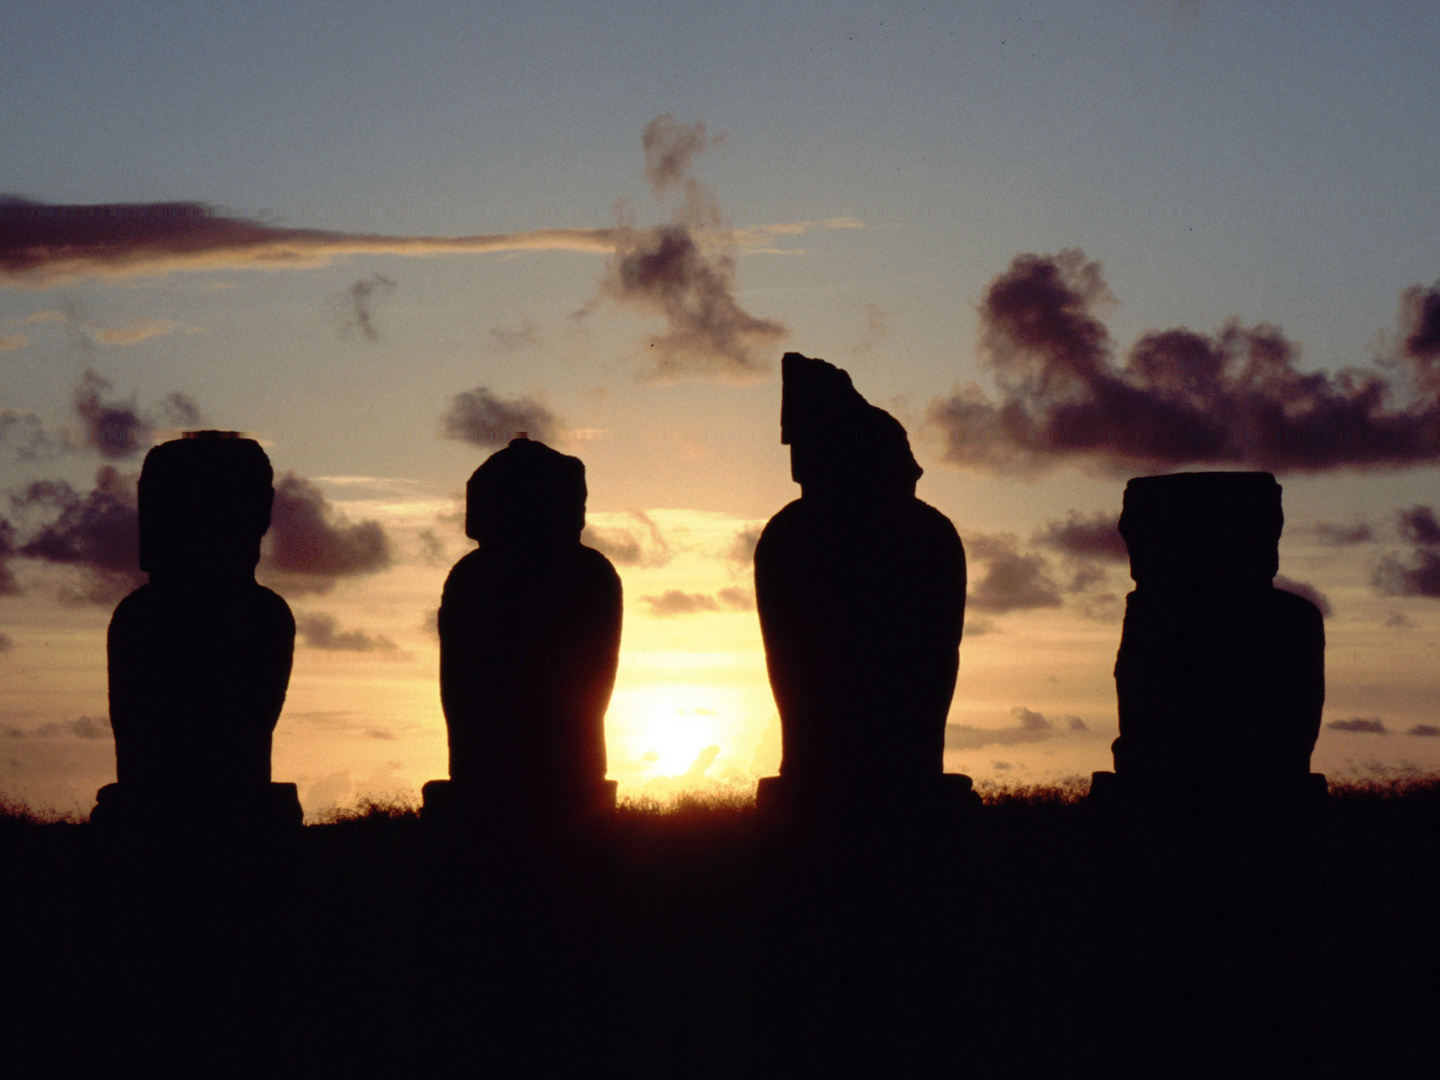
(861, 594)
(200, 656)
(1220, 675)
(529, 645)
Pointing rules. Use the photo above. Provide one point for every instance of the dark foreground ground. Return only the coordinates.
(1035, 938)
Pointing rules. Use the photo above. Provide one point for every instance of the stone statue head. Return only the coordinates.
(1203, 529)
(526, 493)
(204, 504)
(839, 443)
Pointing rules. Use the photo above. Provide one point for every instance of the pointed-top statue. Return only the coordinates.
(200, 656)
(861, 594)
(529, 644)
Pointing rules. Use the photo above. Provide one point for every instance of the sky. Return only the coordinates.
(1064, 244)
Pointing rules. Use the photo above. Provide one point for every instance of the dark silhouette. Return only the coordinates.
(1220, 676)
(529, 644)
(861, 593)
(200, 656)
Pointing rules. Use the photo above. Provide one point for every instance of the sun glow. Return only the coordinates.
(663, 728)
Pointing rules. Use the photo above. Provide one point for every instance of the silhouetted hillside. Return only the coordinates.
(700, 940)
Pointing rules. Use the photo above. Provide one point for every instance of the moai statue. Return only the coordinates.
(861, 593)
(200, 656)
(529, 645)
(1220, 675)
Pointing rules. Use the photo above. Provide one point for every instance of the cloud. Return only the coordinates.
(356, 305)
(116, 429)
(1096, 536)
(43, 244)
(98, 532)
(1360, 725)
(1029, 726)
(7, 643)
(1424, 731)
(1308, 591)
(877, 328)
(1420, 574)
(509, 339)
(670, 150)
(309, 545)
(668, 271)
(644, 545)
(1332, 535)
(1011, 581)
(23, 434)
(1397, 620)
(11, 342)
(663, 271)
(86, 727)
(320, 630)
(134, 331)
(741, 552)
(482, 419)
(676, 602)
(1233, 398)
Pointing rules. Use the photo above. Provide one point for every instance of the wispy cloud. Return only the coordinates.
(43, 245)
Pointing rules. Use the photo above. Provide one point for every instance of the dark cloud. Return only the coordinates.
(666, 271)
(1029, 726)
(355, 305)
(1424, 731)
(663, 271)
(309, 545)
(642, 545)
(41, 244)
(676, 602)
(320, 630)
(97, 533)
(1360, 725)
(508, 340)
(1333, 535)
(1397, 620)
(741, 552)
(1010, 581)
(432, 548)
(86, 727)
(1233, 398)
(23, 435)
(670, 151)
(1308, 591)
(1096, 536)
(1418, 525)
(7, 643)
(482, 419)
(1419, 575)
(737, 599)
(116, 429)
(8, 550)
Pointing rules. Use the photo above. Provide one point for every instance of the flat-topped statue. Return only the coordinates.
(529, 645)
(1220, 676)
(861, 593)
(199, 657)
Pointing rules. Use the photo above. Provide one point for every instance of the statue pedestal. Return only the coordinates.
(236, 811)
(1155, 804)
(449, 803)
(942, 799)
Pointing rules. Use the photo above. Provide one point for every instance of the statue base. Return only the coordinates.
(251, 809)
(450, 802)
(939, 799)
